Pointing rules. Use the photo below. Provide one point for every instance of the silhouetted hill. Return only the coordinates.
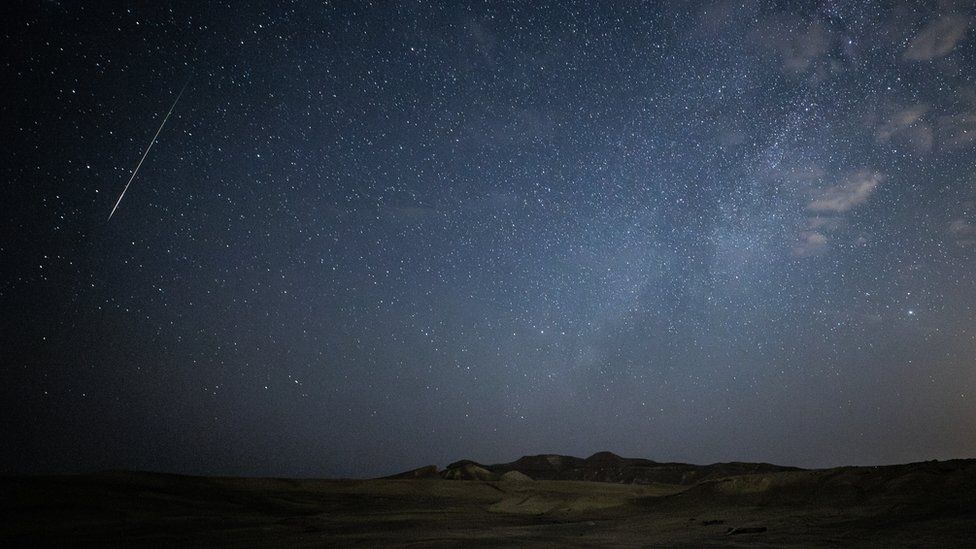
(600, 467)
(427, 471)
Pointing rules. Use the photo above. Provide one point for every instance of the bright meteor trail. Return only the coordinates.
(145, 154)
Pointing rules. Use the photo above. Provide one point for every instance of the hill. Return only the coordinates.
(600, 467)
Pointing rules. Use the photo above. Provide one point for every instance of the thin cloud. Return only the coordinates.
(806, 47)
(962, 232)
(937, 38)
(825, 223)
(801, 45)
(829, 206)
(810, 243)
(907, 127)
(851, 192)
(956, 131)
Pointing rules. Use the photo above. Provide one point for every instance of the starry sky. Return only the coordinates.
(374, 236)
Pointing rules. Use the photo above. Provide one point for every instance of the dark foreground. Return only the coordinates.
(930, 504)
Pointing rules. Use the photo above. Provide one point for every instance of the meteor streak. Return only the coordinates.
(145, 154)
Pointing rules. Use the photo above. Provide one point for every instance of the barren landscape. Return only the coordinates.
(930, 504)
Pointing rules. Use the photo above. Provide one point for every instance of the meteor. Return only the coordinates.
(146, 153)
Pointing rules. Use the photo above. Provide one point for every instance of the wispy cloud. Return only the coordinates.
(803, 49)
(851, 192)
(907, 126)
(810, 243)
(802, 45)
(916, 128)
(962, 232)
(828, 208)
(937, 38)
(957, 130)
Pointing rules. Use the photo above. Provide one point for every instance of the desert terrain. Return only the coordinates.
(929, 504)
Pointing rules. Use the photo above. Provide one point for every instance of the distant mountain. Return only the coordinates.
(600, 467)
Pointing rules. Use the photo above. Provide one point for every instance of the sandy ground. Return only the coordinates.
(924, 505)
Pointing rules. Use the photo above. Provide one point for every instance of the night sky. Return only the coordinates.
(374, 236)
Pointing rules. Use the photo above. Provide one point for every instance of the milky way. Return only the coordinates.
(383, 235)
